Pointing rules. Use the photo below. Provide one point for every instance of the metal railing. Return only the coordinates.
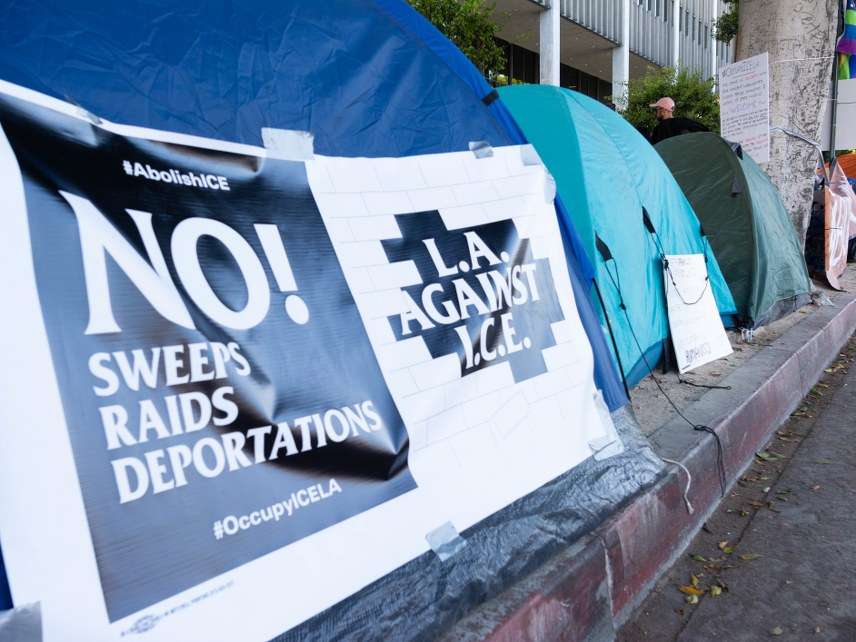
(696, 24)
(652, 29)
(603, 17)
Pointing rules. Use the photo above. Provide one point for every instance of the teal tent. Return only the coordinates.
(747, 224)
(610, 178)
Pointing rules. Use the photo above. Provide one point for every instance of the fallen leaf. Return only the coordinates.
(691, 599)
(715, 590)
(693, 580)
(697, 557)
(744, 513)
(691, 590)
(725, 548)
(776, 630)
(816, 487)
(747, 557)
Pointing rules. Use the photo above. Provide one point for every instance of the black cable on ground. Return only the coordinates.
(702, 385)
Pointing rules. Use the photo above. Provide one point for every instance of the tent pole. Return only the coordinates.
(612, 338)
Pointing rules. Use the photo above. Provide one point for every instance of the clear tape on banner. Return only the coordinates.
(549, 187)
(609, 444)
(445, 541)
(481, 148)
(22, 624)
(528, 155)
(288, 144)
(88, 115)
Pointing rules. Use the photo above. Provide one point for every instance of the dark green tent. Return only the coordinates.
(747, 225)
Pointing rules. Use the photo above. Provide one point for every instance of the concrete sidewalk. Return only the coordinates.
(777, 559)
(592, 589)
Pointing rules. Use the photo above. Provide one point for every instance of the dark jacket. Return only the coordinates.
(675, 127)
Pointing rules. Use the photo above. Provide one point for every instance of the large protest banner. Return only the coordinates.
(246, 384)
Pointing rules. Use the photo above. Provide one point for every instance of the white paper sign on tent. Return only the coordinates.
(697, 331)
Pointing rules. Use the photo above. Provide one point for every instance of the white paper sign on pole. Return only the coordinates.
(697, 331)
(744, 105)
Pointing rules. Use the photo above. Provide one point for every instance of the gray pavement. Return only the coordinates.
(777, 561)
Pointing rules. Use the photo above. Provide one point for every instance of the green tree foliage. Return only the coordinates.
(726, 24)
(693, 96)
(469, 24)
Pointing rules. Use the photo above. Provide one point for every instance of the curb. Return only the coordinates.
(592, 588)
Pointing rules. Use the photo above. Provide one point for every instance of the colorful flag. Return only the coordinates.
(846, 47)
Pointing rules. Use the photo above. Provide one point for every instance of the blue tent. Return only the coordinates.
(608, 174)
(225, 71)
(366, 77)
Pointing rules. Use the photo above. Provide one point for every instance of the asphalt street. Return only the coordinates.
(777, 560)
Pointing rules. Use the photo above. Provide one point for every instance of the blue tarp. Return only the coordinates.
(367, 78)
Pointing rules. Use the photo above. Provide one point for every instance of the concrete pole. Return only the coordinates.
(621, 60)
(799, 35)
(676, 33)
(549, 48)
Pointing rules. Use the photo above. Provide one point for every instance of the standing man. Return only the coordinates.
(669, 125)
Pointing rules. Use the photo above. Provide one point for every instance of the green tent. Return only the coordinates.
(745, 222)
(626, 207)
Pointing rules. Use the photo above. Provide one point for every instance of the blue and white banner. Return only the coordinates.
(243, 384)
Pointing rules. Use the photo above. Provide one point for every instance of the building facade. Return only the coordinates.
(598, 46)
